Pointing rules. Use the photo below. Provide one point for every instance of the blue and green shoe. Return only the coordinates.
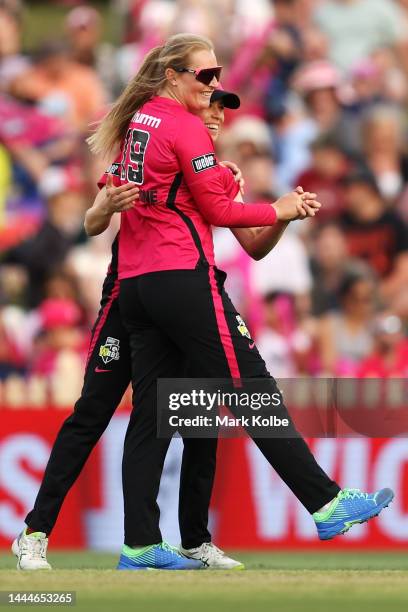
(156, 557)
(351, 506)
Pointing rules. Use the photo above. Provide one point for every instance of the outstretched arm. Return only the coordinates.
(259, 241)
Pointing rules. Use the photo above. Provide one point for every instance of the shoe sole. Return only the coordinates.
(124, 565)
(362, 519)
(237, 568)
(138, 569)
(157, 569)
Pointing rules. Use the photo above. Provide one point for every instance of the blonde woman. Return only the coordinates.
(107, 375)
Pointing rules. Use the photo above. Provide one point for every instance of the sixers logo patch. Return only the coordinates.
(110, 350)
(242, 328)
(204, 162)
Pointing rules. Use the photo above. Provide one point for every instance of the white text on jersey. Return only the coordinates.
(146, 120)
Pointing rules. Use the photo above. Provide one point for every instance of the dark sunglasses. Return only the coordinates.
(204, 75)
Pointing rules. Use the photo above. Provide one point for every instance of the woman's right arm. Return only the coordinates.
(109, 201)
(201, 174)
(259, 241)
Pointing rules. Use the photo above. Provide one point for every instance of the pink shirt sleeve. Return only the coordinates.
(202, 175)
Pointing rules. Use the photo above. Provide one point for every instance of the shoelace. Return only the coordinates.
(35, 548)
(169, 548)
(353, 494)
(210, 552)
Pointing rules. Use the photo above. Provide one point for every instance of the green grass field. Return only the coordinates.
(290, 582)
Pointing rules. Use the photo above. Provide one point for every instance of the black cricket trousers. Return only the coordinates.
(107, 377)
(187, 315)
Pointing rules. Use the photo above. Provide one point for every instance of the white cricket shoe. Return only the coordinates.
(212, 557)
(31, 551)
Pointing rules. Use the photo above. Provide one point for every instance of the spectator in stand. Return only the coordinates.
(394, 87)
(264, 61)
(399, 305)
(315, 45)
(283, 270)
(46, 251)
(60, 330)
(283, 54)
(12, 358)
(367, 86)
(330, 264)
(389, 358)
(319, 83)
(324, 176)
(88, 262)
(345, 336)
(62, 285)
(34, 140)
(300, 124)
(383, 133)
(246, 137)
(69, 89)
(198, 17)
(84, 30)
(12, 62)
(83, 26)
(260, 179)
(286, 345)
(374, 233)
(5, 181)
(147, 23)
(356, 28)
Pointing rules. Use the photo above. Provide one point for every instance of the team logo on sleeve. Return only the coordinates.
(110, 350)
(242, 328)
(204, 162)
(114, 169)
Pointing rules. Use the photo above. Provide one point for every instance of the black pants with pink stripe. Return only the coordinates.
(106, 380)
(181, 315)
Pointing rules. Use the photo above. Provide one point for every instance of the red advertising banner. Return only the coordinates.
(26, 438)
(255, 509)
(251, 508)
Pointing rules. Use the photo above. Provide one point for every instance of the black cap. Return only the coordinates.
(230, 100)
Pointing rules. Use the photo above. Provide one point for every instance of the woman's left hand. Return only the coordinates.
(310, 204)
(236, 171)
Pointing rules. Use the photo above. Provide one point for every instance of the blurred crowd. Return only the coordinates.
(324, 92)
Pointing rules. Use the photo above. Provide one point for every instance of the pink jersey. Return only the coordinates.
(170, 154)
(231, 188)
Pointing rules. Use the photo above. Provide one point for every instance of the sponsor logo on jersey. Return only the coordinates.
(242, 328)
(148, 120)
(114, 169)
(110, 350)
(204, 162)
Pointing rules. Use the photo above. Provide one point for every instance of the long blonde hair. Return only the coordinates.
(145, 84)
